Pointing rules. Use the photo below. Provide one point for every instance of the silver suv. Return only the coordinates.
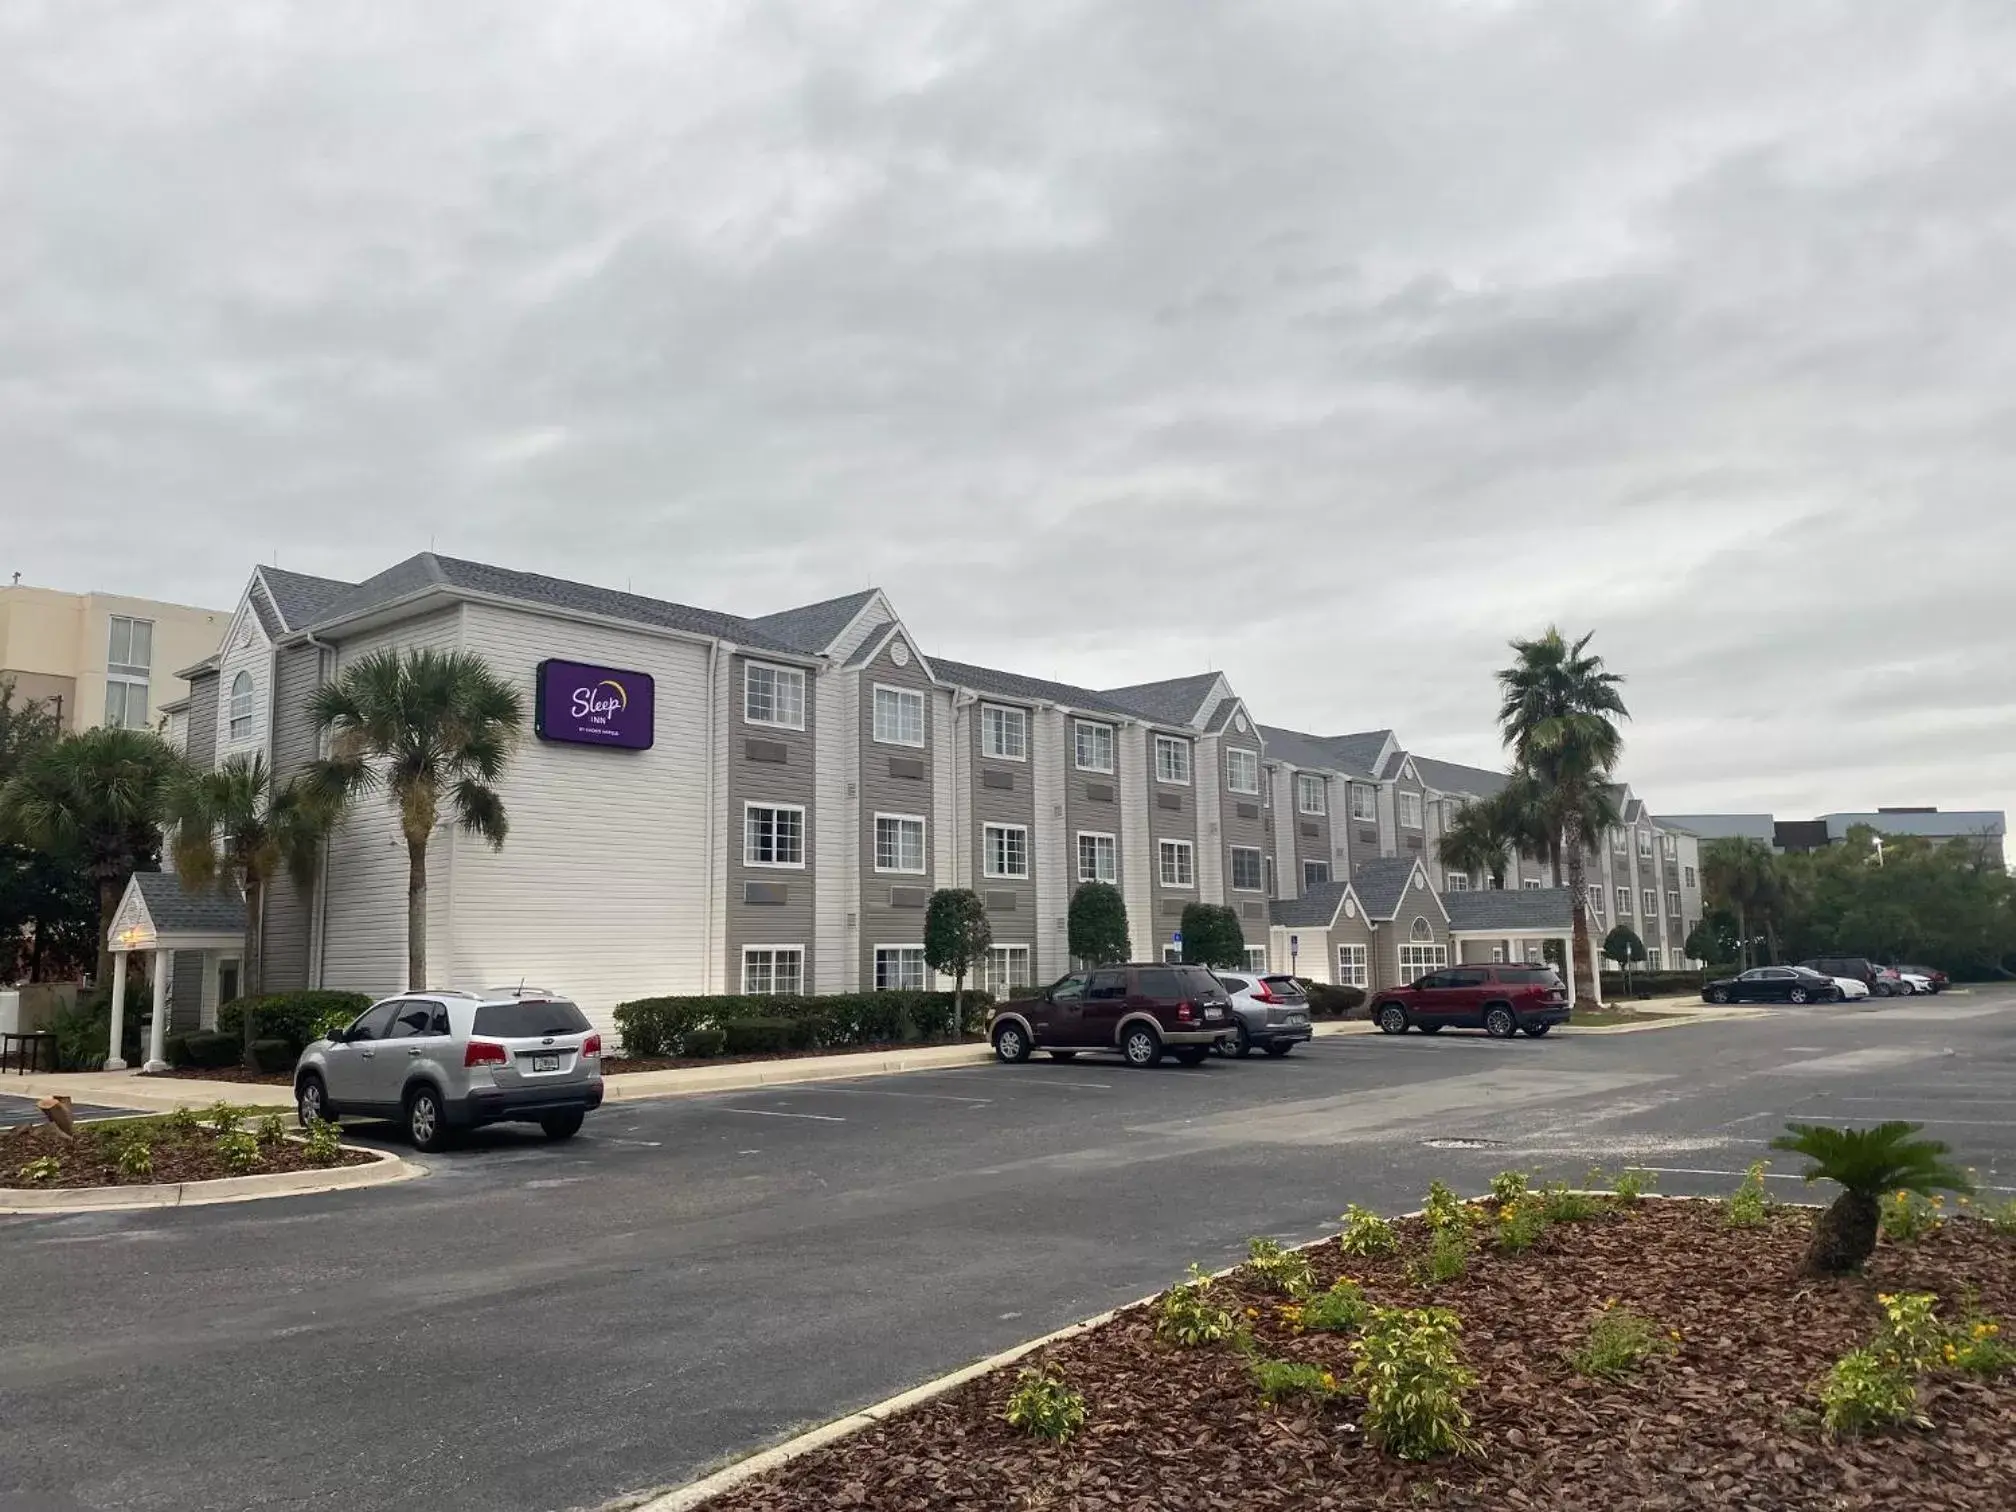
(440, 1061)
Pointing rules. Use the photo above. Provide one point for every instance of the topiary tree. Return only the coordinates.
(1623, 946)
(1097, 925)
(956, 936)
(1864, 1163)
(1212, 936)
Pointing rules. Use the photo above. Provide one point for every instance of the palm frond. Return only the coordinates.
(1869, 1162)
(480, 811)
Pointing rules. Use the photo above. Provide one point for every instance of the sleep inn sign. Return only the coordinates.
(579, 704)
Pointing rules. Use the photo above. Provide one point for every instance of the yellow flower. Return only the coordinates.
(1966, 1202)
(1674, 1333)
(1884, 1298)
(1938, 1202)
(1902, 1195)
(1608, 1303)
(1252, 1312)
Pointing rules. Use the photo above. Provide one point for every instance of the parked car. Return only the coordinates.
(1937, 980)
(443, 1061)
(1851, 989)
(1499, 999)
(1880, 980)
(1269, 1013)
(1775, 984)
(1916, 984)
(1139, 1011)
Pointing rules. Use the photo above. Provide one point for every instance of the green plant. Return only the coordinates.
(2002, 1218)
(957, 935)
(1618, 1342)
(135, 1155)
(1510, 1186)
(1279, 1380)
(1560, 1203)
(299, 1018)
(224, 1118)
(1189, 1316)
(1212, 935)
(1632, 1183)
(1279, 1270)
(207, 1050)
(1407, 1365)
(1042, 1405)
(1748, 1207)
(1975, 1346)
(272, 1129)
(1521, 1224)
(1365, 1233)
(238, 1150)
(1096, 924)
(665, 1025)
(1623, 946)
(1910, 1336)
(1341, 1309)
(1443, 1209)
(705, 1044)
(1865, 1163)
(764, 1036)
(324, 1142)
(1447, 1258)
(42, 1168)
(1905, 1216)
(1865, 1390)
(182, 1123)
(1331, 1000)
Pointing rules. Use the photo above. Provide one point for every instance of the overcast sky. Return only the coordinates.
(1328, 344)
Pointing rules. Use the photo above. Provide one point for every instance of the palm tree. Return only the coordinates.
(233, 829)
(433, 728)
(1741, 875)
(1864, 1163)
(1555, 714)
(1475, 842)
(96, 799)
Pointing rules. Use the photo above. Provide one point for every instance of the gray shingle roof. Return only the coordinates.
(1173, 702)
(1382, 883)
(812, 627)
(1313, 910)
(1393, 764)
(1031, 689)
(176, 910)
(1350, 754)
(1454, 777)
(1221, 717)
(301, 599)
(1509, 908)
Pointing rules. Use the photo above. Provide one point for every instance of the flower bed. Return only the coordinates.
(1643, 1355)
(173, 1148)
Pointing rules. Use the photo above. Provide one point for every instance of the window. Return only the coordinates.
(1246, 868)
(1623, 901)
(899, 843)
(1004, 733)
(1531, 884)
(899, 968)
(1172, 954)
(1006, 968)
(899, 716)
(419, 1019)
(241, 707)
(1098, 858)
(125, 703)
(1455, 881)
(1351, 966)
(1497, 954)
(1006, 848)
(1309, 794)
(1410, 810)
(1673, 901)
(773, 970)
(1314, 874)
(773, 695)
(1670, 844)
(1172, 759)
(1651, 901)
(773, 834)
(1364, 802)
(1177, 868)
(1619, 841)
(1242, 770)
(1095, 746)
(1644, 842)
(1256, 958)
(1416, 960)
(129, 659)
(1492, 884)
(1595, 898)
(1687, 875)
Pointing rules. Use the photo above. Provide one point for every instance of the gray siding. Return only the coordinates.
(185, 992)
(756, 774)
(202, 747)
(1091, 803)
(1411, 841)
(1316, 846)
(1360, 837)
(1246, 830)
(1003, 792)
(885, 791)
(1418, 902)
(290, 911)
(1165, 823)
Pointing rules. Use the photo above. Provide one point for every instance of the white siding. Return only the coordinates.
(1056, 854)
(246, 649)
(1389, 827)
(1130, 755)
(1281, 836)
(836, 859)
(722, 672)
(949, 801)
(958, 717)
(1209, 779)
(178, 730)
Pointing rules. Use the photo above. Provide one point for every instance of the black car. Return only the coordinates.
(1774, 984)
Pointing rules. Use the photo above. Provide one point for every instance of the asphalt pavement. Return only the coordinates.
(540, 1326)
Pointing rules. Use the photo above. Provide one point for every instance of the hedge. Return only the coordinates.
(1652, 984)
(663, 1025)
(299, 1018)
(1328, 1000)
(203, 1049)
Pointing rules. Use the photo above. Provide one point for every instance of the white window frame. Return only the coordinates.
(903, 697)
(997, 719)
(1112, 852)
(748, 850)
(1419, 960)
(1408, 803)
(1079, 728)
(1179, 746)
(1651, 901)
(1172, 955)
(1237, 757)
(1352, 970)
(1687, 875)
(1455, 881)
(1256, 959)
(987, 834)
(1184, 851)
(998, 973)
(1306, 785)
(120, 695)
(1596, 898)
(1673, 901)
(1307, 882)
(239, 712)
(1644, 842)
(903, 952)
(1670, 844)
(1259, 868)
(1623, 901)
(776, 954)
(1369, 812)
(1497, 955)
(923, 845)
(1620, 841)
(780, 677)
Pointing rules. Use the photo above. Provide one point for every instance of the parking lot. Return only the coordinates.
(550, 1326)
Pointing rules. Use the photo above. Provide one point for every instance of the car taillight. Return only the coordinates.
(484, 1053)
(1184, 1011)
(1262, 993)
(592, 1045)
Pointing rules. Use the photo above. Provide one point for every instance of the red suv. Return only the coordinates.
(1501, 1000)
(1139, 1011)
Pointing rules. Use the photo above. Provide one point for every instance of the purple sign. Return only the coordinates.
(603, 706)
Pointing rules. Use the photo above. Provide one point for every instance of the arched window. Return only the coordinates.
(241, 706)
(1422, 930)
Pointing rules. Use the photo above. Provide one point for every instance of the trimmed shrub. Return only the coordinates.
(274, 1055)
(763, 1036)
(706, 1043)
(661, 1026)
(1326, 1000)
(210, 1050)
(1650, 983)
(299, 1018)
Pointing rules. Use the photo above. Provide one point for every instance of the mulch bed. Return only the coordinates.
(227, 1074)
(90, 1159)
(623, 1065)
(1728, 1421)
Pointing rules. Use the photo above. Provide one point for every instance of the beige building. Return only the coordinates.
(102, 658)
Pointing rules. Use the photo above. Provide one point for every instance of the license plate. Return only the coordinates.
(545, 1063)
(1211, 1013)
(1296, 1018)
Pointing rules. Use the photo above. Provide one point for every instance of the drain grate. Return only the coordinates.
(1463, 1144)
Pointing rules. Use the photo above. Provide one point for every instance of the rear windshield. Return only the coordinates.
(1542, 975)
(529, 1019)
(1283, 986)
(1194, 982)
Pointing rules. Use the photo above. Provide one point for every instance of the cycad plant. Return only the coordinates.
(1864, 1163)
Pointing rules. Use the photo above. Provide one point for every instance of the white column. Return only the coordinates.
(1568, 959)
(1595, 971)
(113, 1062)
(157, 1036)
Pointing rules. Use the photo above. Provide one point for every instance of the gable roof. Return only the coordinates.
(176, 910)
(814, 627)
(1351, 754)
(1513, 908)
(1382, 884)
(1315, 909)
(299, 599)
(1031, 689)
(1221, 717)
(1172, 702)
(879, 637)
(1454, 777)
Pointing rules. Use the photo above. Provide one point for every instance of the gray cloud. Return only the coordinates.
(1329, 345)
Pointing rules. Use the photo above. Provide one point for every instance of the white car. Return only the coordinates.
(1916, 985)
(1851, 988)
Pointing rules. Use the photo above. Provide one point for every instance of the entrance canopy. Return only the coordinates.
(158, 913)
(1518, 915)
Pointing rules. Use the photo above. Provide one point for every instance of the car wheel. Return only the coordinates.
(1882, 989)
(1279, 1050)
(1191, 1055)
(1392, 1019)
(311, 1102)
(1142, 1046)
(1011, 1044)
(1797, 994)
(1239, 1043)
(1718, 994)
(426, 1120)
(1063, 1055)
(1499, 1023)
(1538, 1031)
(562, 1125)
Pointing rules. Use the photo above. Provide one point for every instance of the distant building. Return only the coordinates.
(1986, 828)
(102, 658)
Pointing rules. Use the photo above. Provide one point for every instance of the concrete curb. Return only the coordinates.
(384, 1169)
(1672, 1021)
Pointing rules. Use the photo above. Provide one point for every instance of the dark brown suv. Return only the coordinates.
(1138, 1011)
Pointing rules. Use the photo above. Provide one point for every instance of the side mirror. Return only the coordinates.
(337, 1036)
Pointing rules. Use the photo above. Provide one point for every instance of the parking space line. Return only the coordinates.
(914, 1096)
(768, 1113)
(1041, 1081)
